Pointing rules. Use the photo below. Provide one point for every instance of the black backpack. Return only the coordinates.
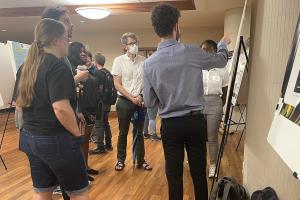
(228, 189)
(266, 194)
(109, 92)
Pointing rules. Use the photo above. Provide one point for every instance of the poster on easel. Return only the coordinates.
(240, 77)
(18, 54)
(284, 134)
(7, 75)
(1, 101)
(13, 54)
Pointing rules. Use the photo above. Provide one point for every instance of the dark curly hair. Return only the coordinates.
(74, 53)
(209, 45)
(54, 12)
(164, 17)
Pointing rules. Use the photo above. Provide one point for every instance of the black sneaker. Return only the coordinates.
(109, 147)
(98, 150)
(155, 137)
(147, 135)
(91, 178)
(92, 171)
(93, 138)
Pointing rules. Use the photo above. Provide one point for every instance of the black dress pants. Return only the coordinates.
(187, 132)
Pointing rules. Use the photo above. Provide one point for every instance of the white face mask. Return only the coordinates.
(133, 49)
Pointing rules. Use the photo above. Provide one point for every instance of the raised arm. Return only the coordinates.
(217, 60)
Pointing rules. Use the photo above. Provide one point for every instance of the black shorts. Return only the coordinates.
(55, 160)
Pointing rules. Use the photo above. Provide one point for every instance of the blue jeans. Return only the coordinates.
(150, 120)
(55, 159)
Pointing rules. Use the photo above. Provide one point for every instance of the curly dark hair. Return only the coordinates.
(74, 53)
(164, 17)
(209, 45)
(54, 12)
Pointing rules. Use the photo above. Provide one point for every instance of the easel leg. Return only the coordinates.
(5, 127)
(241, 120)
(241, 136)
(3, 162)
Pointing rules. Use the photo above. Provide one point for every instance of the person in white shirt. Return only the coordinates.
(127, 71)
(215, 83)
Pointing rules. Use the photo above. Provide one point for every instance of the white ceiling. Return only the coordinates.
(207, 13)
(37, 3)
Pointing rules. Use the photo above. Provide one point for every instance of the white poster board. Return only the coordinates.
(284, 134)
(13, 54)
(7, 75)
(239, 77)
(242, 61)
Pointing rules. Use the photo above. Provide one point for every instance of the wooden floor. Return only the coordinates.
(130, 184)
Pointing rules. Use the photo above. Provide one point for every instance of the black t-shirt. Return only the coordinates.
(54, 82)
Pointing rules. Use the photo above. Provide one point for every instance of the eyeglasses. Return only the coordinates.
(133, 43)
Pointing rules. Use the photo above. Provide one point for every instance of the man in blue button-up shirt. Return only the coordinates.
(173, 80)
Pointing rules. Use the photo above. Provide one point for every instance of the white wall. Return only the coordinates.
(272, 29)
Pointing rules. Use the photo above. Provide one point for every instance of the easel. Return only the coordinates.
(229, 109)
(241, 121)
(4, 131)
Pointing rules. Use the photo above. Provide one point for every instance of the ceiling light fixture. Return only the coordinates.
(93, 12)
(3, 30)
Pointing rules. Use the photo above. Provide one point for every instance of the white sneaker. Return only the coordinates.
(211, 171)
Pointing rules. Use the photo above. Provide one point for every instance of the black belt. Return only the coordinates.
(194, 112)
(190, 114)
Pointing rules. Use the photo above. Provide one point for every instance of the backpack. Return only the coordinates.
(109, 92)
(266, 194)
(88, 95)
(228, 189)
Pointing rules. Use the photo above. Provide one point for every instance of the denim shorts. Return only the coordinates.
(55, 160)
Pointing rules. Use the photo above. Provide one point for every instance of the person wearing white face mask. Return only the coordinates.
(127, 72)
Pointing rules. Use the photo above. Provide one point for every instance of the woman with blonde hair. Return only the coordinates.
(50, 136)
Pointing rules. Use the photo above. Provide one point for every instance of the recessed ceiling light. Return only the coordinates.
(82, 21)
(93, 12)
(3, 30)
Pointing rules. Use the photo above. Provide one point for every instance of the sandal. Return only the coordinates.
(119, 166)
(144, 166)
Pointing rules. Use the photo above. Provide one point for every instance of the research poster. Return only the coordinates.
(239, 76)
(18, 54)
(242, 62)
(284, 134)
(7, 75)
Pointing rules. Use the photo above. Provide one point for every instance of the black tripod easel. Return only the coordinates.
(4, 131)
(241, 121)
(229, 109)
